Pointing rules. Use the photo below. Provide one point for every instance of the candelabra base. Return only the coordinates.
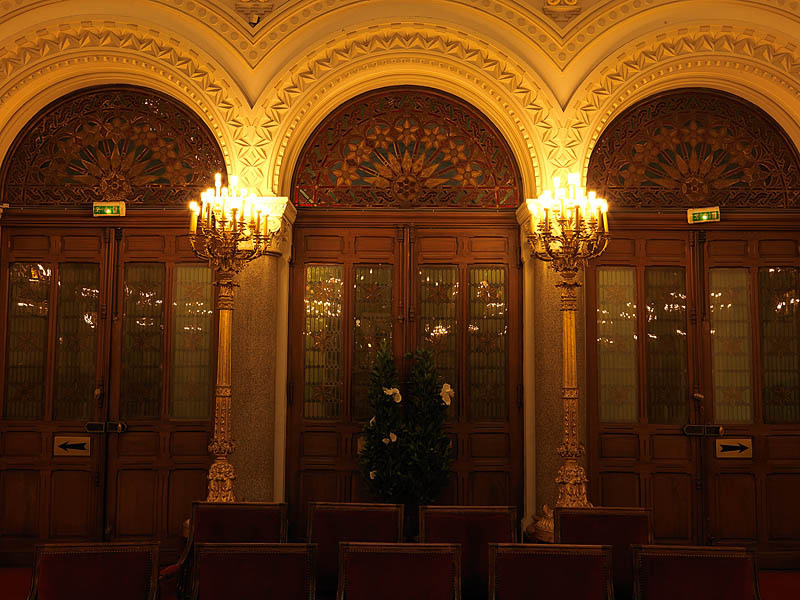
(220, 481)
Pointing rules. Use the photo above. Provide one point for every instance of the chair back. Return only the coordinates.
(238, 522)
(370, 571)
(474, 527)
(258, 571)
(619, 528)
(694, 573)
(564, 571)
(95, 571)
(332, 522)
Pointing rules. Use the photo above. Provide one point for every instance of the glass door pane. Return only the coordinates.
(779, 297)
(26, 350)
(76, 335)
(666, 351)
(617, 377)
(488, 333)
(372, 325)
(731, 358)
(142, 341)
(192, 339)
(323, 342)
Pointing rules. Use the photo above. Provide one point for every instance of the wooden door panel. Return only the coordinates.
(20, 507)
(783, 518)
(490, 488)
(673, 504)
(138, 503)
(73, 503)
(185, 486)
(620, 488)
(735, 508)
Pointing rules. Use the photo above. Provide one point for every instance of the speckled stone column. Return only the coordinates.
(258, 382)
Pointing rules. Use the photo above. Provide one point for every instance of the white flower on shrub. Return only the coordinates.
(393, 437)
(386, 441)
(447, 394)
(373, 474)
(372, 422)
(394, 393)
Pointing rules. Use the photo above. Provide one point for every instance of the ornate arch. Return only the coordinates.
(407, 147)
(111, 143)
(695, 147)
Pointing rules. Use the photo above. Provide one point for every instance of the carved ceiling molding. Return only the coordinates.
(372, 50)
(45, 53)
(778, 64)
(557, 42)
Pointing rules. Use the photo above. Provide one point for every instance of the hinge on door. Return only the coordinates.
(97, 480)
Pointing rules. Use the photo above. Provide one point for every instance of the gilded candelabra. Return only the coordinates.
(230, 228)
(568, 227)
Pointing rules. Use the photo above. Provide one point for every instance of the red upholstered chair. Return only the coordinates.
(95, 572)
(369, 571)
(253, 571)
(694, 573)
(563, 571)
(474, 527)
(231, 522)
(617, 527)
(332, 522)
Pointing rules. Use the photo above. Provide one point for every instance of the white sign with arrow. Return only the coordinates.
(734, 447)
(72, 445)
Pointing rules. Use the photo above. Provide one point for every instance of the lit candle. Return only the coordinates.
(604, 210)
(218, 182)
(193, 210)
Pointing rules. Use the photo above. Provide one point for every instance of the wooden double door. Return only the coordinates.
(107, 352)
(452, 287)
(694, 382)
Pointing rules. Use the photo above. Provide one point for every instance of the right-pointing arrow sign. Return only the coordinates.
(734, 447)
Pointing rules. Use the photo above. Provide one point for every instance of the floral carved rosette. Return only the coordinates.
(407, 148)
(693, 148)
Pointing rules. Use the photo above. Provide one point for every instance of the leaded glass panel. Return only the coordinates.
(617, 375)
(372, 324)
(26, 352)
(193, 309)
(437, 318)
(488, 332)
(142, 341)
(731, 356)
(76, 336)
(666, 347)
(323, 344)
(779, 297)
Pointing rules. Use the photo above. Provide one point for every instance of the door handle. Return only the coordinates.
(106, 427)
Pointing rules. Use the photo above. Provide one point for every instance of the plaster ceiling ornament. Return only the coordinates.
(404, 147)
(689, 148)
(111, 144)
(561, 11)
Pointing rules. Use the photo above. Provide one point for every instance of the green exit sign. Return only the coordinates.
(703, 215)
(108, 209)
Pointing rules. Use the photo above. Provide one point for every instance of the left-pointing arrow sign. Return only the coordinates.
(72, 445)
(66, 446)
